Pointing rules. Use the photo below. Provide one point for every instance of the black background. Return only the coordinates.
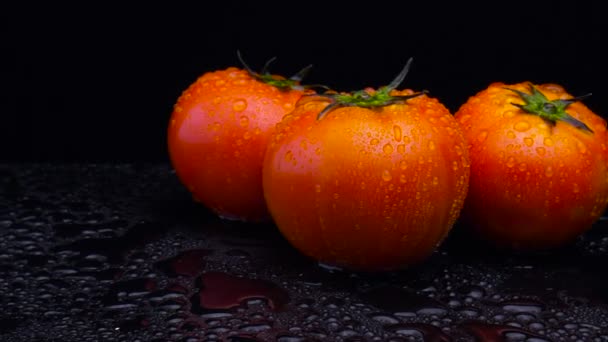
(92, 83)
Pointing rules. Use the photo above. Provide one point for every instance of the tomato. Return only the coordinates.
(368, 181)
(218, 133)
(539, 165)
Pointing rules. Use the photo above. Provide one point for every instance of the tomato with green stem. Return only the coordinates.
(371, 180)
(218, 134)
(539, 165)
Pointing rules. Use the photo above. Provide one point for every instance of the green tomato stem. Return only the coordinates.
(536, 103)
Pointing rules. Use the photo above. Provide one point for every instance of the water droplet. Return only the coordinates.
(575, 188)
(510, 135)
(455, 165)
(521, 126)
(401, 148)
(431, 145)
(388, 148)
(289, 156)
(374, 141)
(244, 121)
(397, 133)
(510, 162)
(317, 188)
(403, 165)
(581, 147)
(239, 105)
(549, 171)
(541, 151)
(435, 180)
(336, 196)
(522, 166)
(483, 135)
(216, 126)
(548, 142)
(528, 141)
(318, 151)
(246, 135)
(386, 175)
(403, 178)
(509, 114)
(362, 185)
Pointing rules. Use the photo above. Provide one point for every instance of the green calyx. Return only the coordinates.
(551, 111)
(292, 83)
(367, 99)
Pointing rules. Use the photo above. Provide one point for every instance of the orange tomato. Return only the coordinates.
(375, 184)
(539, 165)
(218, 133)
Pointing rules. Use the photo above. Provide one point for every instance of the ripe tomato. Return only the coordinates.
(218, 133)
(374, 184)
(539, 165)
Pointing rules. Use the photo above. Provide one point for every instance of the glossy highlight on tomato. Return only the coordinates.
(539, 165)
(367, 188)
(218, 134)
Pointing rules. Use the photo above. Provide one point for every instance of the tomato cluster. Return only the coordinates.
(375, 179)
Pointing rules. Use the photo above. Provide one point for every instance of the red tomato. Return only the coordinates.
(539, 165)
(375, 184)
(218, 133)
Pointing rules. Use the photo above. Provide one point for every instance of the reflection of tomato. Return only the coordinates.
(369, 189)
(539, 165)
(218, 134)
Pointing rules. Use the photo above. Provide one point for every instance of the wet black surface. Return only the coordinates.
(121, 253)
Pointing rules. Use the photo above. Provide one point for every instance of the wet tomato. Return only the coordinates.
(218, 133)
(539, 165)
(371, 180)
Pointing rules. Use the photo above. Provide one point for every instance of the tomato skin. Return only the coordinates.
(367, 189)
(217, 136)
(533, 185)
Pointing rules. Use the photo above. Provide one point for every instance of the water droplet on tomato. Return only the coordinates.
(386, 175)
(401, 148)
(548, 142)
(509, 114)
(289, 156)
(388, 148)
(521, 126)
(403, 178)
(374, 141)
(217, 100)
(549, 171)
(510, 135)
(244, 121)
(397, 132)
(406, 139)
(510, 162)
(435, 180)
(257, 131)
(318, 151)
(522, 167)
(431, 145)
(362, 185)
(239, 105)
(220, 83)
(541, 151)
(216, 126)
(317, 188)
(336, 195)
(403, 165)
(528, 141)
(246, 135)
(575, 188)
(581, 147)
(483, 135)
